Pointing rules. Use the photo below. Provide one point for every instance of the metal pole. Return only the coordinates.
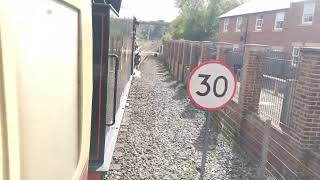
(205, 146)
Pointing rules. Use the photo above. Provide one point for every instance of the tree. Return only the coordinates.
(198, 19)
(192, 4)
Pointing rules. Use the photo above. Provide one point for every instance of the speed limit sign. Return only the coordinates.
(211, 85)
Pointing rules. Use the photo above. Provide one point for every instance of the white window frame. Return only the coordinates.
(308, 14)
(235, 47)
(239, 24)
(279, 18)
(258, 19)
(295, 55)
(225, 25)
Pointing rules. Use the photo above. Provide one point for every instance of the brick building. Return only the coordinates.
(285, 25)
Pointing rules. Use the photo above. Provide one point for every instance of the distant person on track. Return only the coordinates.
(137, 57)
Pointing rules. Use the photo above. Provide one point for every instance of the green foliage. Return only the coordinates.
(151, 30)
(190, 4)
(198, 19)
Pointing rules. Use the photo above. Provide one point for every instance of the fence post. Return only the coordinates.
(165, 53)
(170, 54)
(179, 59)
(201, 52)
(287, 101)
(176, 60)
(187, 53)
(182, 60)
(205, 51)
(161, 49)
(173, 57)
(261, 172)
(195, 57)
(191, 53)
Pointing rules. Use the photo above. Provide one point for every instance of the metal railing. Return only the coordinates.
(277, 83)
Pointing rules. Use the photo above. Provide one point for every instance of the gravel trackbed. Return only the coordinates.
(163, 138)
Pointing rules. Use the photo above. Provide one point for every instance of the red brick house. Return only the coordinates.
(285, 25)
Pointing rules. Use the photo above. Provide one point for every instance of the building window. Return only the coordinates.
(278, 25)
(235, 47)
(225, 25)
(239, 24)
(295, 55)
(308, 12)
(259, 23)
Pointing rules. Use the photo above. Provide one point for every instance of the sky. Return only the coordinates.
(154, 10)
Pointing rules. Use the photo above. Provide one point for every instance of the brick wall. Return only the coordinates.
(251, 82)
(294, 152)
(305, 119)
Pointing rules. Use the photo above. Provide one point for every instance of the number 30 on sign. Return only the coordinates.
(211, 85)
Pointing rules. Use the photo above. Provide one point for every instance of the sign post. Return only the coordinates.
(211, 86)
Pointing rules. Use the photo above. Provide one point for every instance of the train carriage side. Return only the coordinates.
(45, 89)
(113, 36)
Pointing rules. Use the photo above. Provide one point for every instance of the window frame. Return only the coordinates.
(295, 56)
(277, 20)
(226, 25)
(239, 25)
(235, 47)
(311, 14)
(259, 18)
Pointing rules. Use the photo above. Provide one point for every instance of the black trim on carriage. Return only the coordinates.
(101, 14)
(115, 5)
(100, 25)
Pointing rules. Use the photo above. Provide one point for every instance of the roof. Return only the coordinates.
(116, 4)
(257, 6)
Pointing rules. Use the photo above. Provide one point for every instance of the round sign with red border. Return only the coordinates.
(211, 85)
